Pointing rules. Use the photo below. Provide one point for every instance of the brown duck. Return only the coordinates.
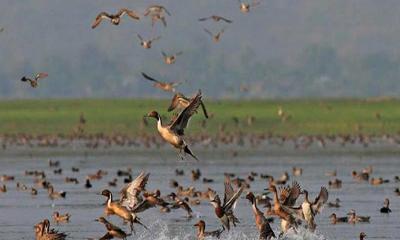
(201, 231)
(34, 82)
(114, 18)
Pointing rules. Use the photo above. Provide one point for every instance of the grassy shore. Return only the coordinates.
(124, 116)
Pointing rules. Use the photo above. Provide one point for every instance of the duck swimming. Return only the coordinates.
(385, 208)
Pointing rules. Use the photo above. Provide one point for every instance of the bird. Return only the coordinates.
(215, 18)
(130, 194)
(354, 218)
(156, 12)
(335, 219)
(173, 133)
(262, 223)
(34, 82)
(335, 204)
(179, 101)
(215, 37)
(385, 208)
(179, 203)
(170, 59)
(245, 7)
(114, 18)
(166, 86)
(112, 230)
(58, 218)
(54, 195)
(201, 231)
(146, 44)
(310, 209)
(224, 210)
(362, 235)
(44, 232)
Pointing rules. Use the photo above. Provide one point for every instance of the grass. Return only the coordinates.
(124, 116)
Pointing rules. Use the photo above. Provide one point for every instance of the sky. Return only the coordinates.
(55, 36)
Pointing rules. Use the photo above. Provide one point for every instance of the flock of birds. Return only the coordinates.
(281, 200)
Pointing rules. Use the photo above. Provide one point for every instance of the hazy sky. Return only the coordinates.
(56, 36)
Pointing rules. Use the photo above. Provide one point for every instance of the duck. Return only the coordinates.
(297, 171)
(215, 18)
(262, 223)
(173, 133)
(113, 183)
(335, 204)
(279, 210)
(54, 195)
(378, 181)
(201, 231)
(224, 210)
(215, 37)
(170, 59)
(7, 178)
(88, 184)
(179, 203)
(44, 232)
(147, 44)
(156, 9)
(245, 7)
(397, 191)
(3, 188)
(310, 209)
(115, 19)
(166, 86)
(385, 208)
(34, 82)
(112, 230)
(360, 176)
(71, 180)
(362, 235)
(116, 208)
(353, 218)
(335, 183)
(58, 218)
(331, 173)
(179, 101)
(335, 219)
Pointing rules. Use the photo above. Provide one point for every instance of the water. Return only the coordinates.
(19, 211)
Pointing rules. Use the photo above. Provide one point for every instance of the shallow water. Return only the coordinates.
(19, 211)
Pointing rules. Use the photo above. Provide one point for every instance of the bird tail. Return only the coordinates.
(24, 79)
(188, 151)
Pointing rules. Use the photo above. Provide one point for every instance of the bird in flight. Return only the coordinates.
(216, 37)
(114, 18)
(215, 18)
(170, 59)
(166, 86)
(146, 44)
(34, 81)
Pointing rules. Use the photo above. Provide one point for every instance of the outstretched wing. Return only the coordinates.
(294, 193)
(138, 184)
(150, 78)
(204, 19)
(164, 54)
(178, 53)
(229, 192)
(169, 14)
(232, 201)
(155, 39)
(204, 109)
(182, 120)
(130, 13)
(320, 200)
(99, 18)
(225, 19)
(140, 37)
(41, 75)
(208, 31)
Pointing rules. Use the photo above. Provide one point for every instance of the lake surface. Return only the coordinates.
(19, 211)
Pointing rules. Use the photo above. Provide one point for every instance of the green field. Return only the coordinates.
(124, 116)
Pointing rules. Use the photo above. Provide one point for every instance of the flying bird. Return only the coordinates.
(156, 12)
(34, 81)
(179, 101)
(173, 133)
(245, 7)
(216, 37)
(170, 59)
(166, 86)
(114, 18)
(146, 44)
(215, 18)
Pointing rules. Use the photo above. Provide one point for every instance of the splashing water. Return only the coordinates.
(159, 230)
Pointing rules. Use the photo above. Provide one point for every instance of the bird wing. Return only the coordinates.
(178, 53)
(208, 31)
(294, 193)
(41, 75)
(232, 201)
(130, 13)
(162, 7)
(164, 54)
(320, 200)
(150, 78)
(204, 19)
(106, 236)
(204, 109)
(229, 192)
(140, 37)
(182, 120)
(138, 184)
(225, 19)
(155, 39)
(142, 206)
(164, 21)
(99, 18)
